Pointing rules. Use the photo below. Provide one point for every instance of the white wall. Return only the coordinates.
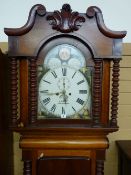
(117, 13)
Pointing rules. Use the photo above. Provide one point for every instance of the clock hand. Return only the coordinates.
(55, 93)
(52, 93)
(64, 83)
(65, 97)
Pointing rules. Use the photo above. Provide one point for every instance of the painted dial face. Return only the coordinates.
(64, 54)
(63, 92)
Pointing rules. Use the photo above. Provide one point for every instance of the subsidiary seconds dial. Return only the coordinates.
(63, 92)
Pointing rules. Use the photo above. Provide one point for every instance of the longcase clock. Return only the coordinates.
(60, 90)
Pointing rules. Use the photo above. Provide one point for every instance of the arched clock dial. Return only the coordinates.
(64, 54)
(64, 92)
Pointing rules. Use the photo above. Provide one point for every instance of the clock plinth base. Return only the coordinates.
(54, 149)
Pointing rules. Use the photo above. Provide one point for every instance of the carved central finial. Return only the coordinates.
(65, 20)
(66, 8)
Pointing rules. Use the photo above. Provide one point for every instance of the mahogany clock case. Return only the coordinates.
(48, 143)
(43, 30)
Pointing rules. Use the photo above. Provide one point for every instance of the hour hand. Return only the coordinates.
(50, 93)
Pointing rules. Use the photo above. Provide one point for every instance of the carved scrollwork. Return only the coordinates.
(66, 21)
(94, 11)
(36, 9)
(41, 10)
